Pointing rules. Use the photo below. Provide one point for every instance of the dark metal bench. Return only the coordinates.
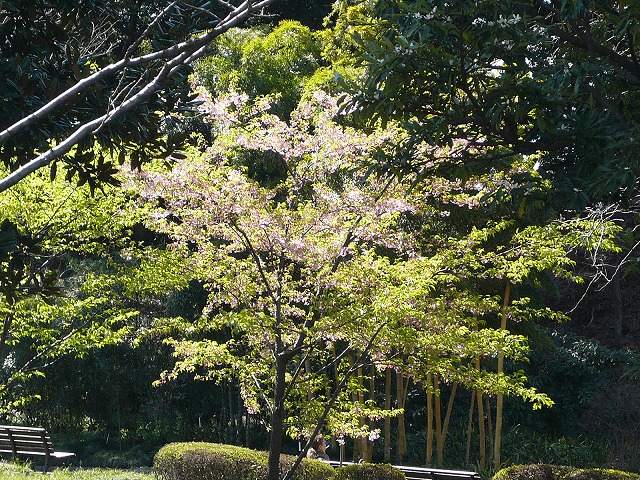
(420, 473)
(30, 442)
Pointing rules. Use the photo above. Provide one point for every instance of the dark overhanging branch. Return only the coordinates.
(588, 44)
(176, 56)
(91, 127)
(235, 17)
(134, 46)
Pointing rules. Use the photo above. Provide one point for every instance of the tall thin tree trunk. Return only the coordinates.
(481, 431)
(336, 363)
(6, 327)
(231, 428)
(445, 425)
(387, 419)
(372, 397)
(499, 397)
(438, 415)
(401, 451)
(240, 410)
(429, 391)
(247, 432)
(355, 398)
(363, 440)
(223, 412)
(470, 427)
(277, 420)
(490, 436)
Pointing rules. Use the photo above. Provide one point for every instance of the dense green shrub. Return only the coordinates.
(532, 472)
(522, 446)
(601, 474)
(368, 471)
(555, 472)
(574, 372)
(213, 461)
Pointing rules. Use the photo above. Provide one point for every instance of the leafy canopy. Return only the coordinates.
(558, 79)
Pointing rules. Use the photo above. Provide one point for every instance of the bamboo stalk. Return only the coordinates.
(499, 397)
(387, 419)
(445, 425)
(470, 427)
(481, 431)
(429, 389)
(402, 439)
(438, 412)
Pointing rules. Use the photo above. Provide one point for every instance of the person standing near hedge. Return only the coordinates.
(318, 449)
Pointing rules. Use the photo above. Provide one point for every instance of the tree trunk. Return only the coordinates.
(445, 425)
(6, 327)
(401, 392)
(247, 432)
(223, 412)
(429, 389)
(438, 415)
(329, 405)
(470, 428)
(355, 397)
(363, 421)
(372, 425)
(277, 420)
(231, 427)
(499, 397)
(387, 419)
(240, 410)
(487, 410)
(481, 431)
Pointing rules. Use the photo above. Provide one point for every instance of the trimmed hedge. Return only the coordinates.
(214, 461)
(557, 472)
(368, 471)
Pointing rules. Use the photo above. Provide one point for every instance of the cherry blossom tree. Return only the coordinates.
(313, 272)
(271, 254)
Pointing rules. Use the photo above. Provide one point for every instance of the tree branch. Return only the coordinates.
(334, 397)
(177, 56)
(588, 44)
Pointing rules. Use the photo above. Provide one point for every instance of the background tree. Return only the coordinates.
(310, 14)
(66, 254)
(555, 78)
(278, 62)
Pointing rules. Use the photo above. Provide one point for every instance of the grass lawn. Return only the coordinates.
(9, 471)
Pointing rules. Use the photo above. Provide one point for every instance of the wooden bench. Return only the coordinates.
(30, 442)
(420, 473)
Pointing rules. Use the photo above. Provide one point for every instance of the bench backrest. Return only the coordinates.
(18, 440)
